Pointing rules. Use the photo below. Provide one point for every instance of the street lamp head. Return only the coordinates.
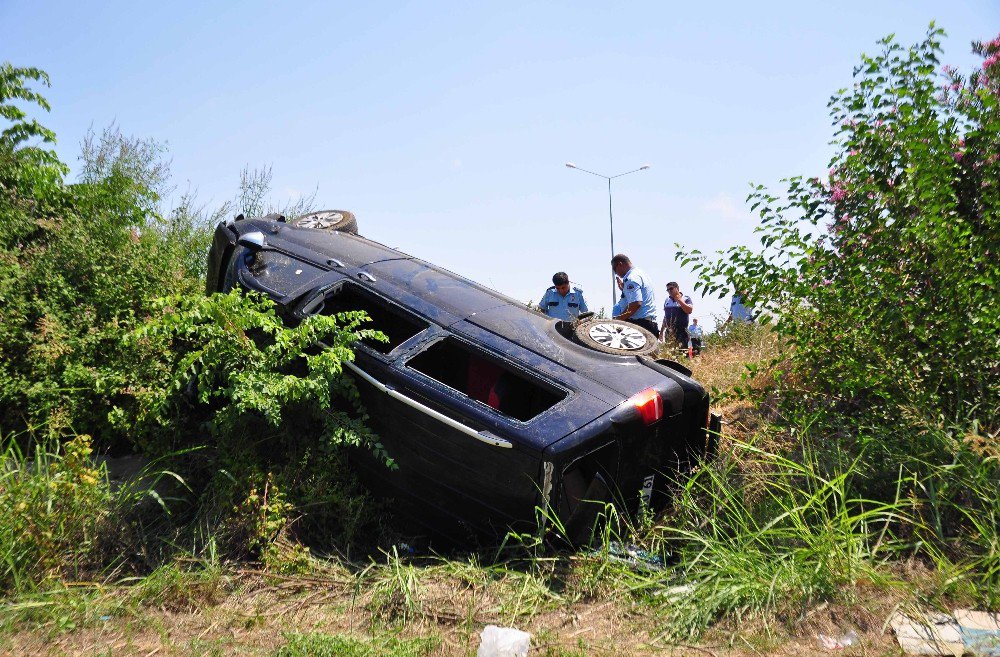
(571, 165)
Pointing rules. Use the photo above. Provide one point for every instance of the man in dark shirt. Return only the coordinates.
(676, 310)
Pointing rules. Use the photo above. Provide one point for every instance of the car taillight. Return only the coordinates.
(650, 405)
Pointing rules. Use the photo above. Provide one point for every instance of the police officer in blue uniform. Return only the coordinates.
(640, 300)
(560, 301)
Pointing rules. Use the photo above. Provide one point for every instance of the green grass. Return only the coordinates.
(775, 543)
(759, 535)
(340, 645)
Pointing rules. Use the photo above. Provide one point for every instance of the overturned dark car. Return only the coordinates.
(491, 410)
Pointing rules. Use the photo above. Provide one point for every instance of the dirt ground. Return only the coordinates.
(257, 617)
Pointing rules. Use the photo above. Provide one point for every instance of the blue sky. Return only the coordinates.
(445, 126)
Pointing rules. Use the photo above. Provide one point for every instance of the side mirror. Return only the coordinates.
(253, 241)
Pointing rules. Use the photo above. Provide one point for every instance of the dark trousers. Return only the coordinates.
(678, 334)
(647, 324)
(696, 345)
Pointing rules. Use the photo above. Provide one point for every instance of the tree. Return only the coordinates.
(882, 274)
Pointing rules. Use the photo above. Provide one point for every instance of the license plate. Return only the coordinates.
(647, 490)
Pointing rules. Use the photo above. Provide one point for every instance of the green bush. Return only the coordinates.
(880, 279)
(78, 264)
(275, 410)
(105, 331)
(882, 275)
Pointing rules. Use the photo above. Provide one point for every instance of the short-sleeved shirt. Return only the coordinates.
(562, 307)
(695, 331)
(674, 316)
(636, 287)
(619, 306)
(738, 311)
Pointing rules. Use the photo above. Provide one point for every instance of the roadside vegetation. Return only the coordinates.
(858, 471)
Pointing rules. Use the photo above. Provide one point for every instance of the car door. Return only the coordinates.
(468, 431)
(448, 461)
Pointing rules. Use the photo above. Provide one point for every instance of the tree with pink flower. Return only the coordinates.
(894, 256)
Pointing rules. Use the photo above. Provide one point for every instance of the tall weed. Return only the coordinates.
(759, 534)
(56, 503)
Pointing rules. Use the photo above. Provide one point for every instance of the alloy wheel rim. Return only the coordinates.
(321, 220)
(617, 336)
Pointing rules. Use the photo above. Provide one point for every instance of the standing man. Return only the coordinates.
(640, 301)
(676, 309)
(560, 302)
(696, 334)
(738, 310)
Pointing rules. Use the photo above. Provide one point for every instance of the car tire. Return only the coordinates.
(613, 336)
(340, 221)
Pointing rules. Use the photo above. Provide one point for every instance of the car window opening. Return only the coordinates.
(397, 325)
(485, 380)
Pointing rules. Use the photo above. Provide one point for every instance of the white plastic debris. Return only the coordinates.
(980, 631)
(675, 593)
(927, 633)
(503, 642)
(828, 642)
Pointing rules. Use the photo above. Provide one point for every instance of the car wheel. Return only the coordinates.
(613, 336)
(336, 220)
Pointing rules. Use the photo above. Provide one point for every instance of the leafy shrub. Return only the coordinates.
(882, 275)
(78, 262)
(105, 331)
(234, 370)
(880, 280)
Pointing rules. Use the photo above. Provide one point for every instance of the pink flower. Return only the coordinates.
(852, 153)
(878, 123)
(991, 60)
(826, 281)
(837, 193)
(958, 155)
(954, 86)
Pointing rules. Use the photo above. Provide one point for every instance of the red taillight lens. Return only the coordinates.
(650, 405)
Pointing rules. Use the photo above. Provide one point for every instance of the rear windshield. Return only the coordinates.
(485, 380)
(398, 325)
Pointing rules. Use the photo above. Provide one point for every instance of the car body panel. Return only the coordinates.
(467, 464)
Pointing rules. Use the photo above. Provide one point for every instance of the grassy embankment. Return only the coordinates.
(762, 555)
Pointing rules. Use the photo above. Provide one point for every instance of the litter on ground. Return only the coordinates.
(934, 633)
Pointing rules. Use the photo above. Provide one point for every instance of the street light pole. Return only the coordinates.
(611, 217)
